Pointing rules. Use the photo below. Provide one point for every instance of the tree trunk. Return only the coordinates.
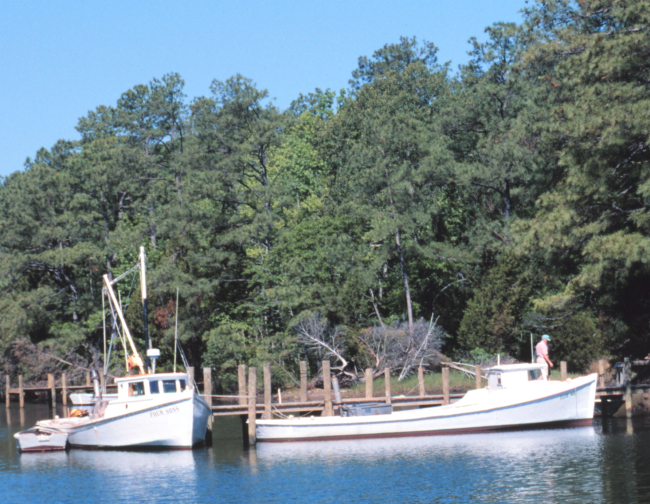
(407, 292)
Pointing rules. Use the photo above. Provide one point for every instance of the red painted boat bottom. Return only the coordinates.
(42, 449)
(474, 430)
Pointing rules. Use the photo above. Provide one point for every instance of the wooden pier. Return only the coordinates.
(252, 403)
(52, 389)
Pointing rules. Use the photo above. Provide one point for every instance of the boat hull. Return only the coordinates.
(37, 440)
(565, 405)
(180, 424)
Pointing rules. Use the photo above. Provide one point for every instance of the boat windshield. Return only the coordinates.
(154, 387)
(169, 386)
(136, 388)
(534, 374)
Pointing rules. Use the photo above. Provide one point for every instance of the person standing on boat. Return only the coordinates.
(542, 355)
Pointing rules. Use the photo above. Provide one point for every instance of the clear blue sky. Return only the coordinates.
(59, 60)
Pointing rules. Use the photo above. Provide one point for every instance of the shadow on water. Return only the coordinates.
(609, 462)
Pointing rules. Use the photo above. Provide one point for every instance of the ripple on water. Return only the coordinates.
(597, 464)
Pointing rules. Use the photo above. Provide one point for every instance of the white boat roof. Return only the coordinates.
(153, 376)
(504, 368)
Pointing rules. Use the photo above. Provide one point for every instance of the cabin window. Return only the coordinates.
(154, 387)
(183, 385)
(169, 386)
(534, 374)
(136, 388)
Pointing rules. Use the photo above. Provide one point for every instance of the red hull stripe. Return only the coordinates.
(42, 449)
(471, 430)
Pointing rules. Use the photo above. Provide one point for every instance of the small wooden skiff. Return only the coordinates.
(41, 439)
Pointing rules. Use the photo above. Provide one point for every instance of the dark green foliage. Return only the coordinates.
(493, 319)
(510, 199)
(578, 342)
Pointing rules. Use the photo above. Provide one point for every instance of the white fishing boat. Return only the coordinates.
(41, 439)
(161, 410)
(515, 398)
(150, 410)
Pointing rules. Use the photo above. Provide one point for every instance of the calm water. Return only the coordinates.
(609, 462)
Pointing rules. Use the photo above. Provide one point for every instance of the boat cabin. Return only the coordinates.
(149, 385)
(513, 375)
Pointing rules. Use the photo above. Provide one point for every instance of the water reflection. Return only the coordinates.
(597, 464)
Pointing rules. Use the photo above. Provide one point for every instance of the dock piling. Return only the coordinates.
(88, 383)
(327, 388)
(387, 380)
(51, 385)
(478, 377)
(303, 381)
(445, 385)
(252, 404)
(64, 392)
(21, 392)
(628, 387)
(7, 388)
(421, 381)
(562, 371)
(369, 390)
(207, 385)
(601, 373)
(241, 379)
(268, 413)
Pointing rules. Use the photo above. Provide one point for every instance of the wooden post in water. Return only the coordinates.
(268, 412)
(252, 405)
(241, 379)
(421, 381)
(327, 388)
(64, 392)
(478, 377)
(190, 371)
(303, 381)
(21, 393)
(445, 385)
(52, 387)
(601, 373)
(207, 385)
(88, 384)
(562, 371)
(387, 380)
(369, 391)
(628, 388)
(7, 388)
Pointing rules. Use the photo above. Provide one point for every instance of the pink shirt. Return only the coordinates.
(541, 349)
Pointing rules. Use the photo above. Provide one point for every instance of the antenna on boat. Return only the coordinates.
(143, 289)
(176, 331)
(104, 326)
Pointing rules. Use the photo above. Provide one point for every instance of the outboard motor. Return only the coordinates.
(96, 386)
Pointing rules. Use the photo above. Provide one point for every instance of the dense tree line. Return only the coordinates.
(508, 199)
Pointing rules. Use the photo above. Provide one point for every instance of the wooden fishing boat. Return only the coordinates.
(150, 410)
(515, 398)
(161, 410)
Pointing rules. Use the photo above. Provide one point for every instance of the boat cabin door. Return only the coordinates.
(494, 380)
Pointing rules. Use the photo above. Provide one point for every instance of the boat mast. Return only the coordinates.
(143, 289)
(115, 306)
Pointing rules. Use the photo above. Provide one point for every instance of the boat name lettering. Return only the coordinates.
(172, 409)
